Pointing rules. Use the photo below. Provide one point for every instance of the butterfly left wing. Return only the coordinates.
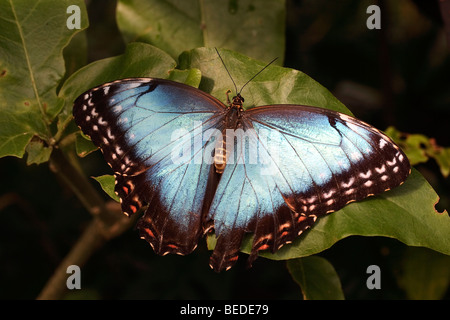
(142, 126)
(307, 162)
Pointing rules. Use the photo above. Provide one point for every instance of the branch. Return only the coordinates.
(108, 222)
(91, 240)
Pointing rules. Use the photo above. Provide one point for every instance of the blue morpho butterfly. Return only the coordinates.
(201, 165)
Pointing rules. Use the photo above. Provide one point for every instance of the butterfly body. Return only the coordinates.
(199, 164)
(231, 121)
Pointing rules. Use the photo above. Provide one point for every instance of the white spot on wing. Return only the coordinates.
(381, 169)
(349, 183)
(329, 194)
(368, 183)
(93, 112)
(382, 143)
(312, 199)
(391, 163)
(349, 191)
(365, 175)
(109, 134)
(102, 122)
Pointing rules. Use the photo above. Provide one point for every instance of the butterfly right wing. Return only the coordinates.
(289, 166)
(156, 134)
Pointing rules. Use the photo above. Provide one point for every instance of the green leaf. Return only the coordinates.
(419, 148)
(192, 77)
(37, 152)
(139, 60)
(32, 39)
(107, 182)
(274, 85)
(255, 28)
(317, 278)
(84, 145)
(15, 133)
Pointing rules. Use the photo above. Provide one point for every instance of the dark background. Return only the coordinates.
(398, 75)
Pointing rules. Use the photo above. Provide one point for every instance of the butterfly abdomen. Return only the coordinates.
(220, 156)
(221, 152)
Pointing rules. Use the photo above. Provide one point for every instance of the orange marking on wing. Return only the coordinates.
(149, 232)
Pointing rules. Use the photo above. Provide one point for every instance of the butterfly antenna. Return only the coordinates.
(257, 74)
(235, 88)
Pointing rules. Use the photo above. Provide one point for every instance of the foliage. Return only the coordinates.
(420, 148)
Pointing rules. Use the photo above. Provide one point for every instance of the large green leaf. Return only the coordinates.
(255, 28)
(317, 278)
(274, 85)
(32, 38)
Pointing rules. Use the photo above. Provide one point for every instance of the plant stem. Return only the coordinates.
(81, 186)
(91, 240)
(107, 223)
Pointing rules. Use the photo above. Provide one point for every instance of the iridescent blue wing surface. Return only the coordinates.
(290, 165)
(143, 127)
